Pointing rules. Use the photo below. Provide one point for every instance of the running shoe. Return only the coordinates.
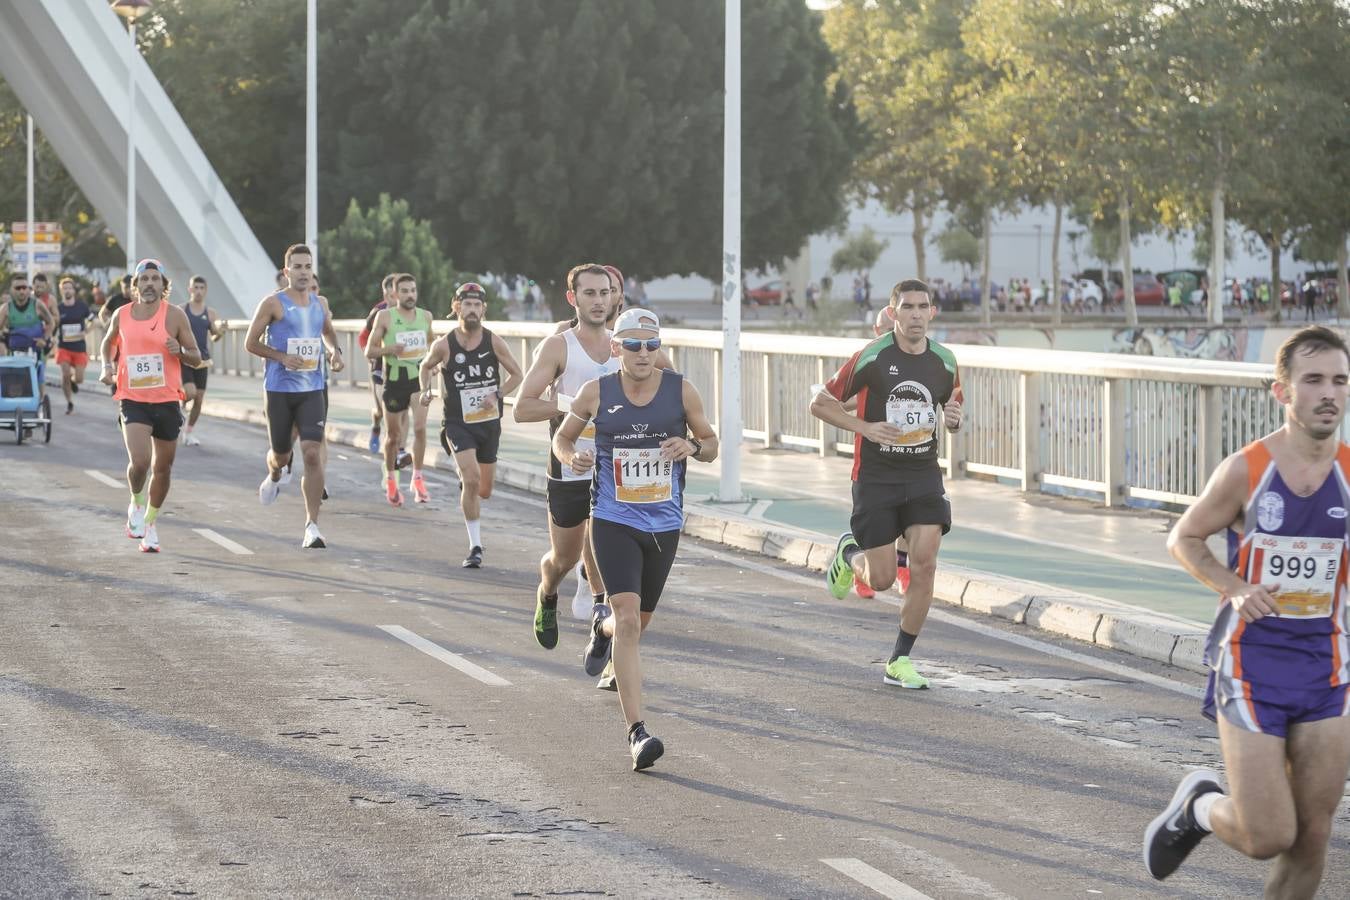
(582, 600)
(392, 493)
(597, 648)
(313, 540)
(902, 577)
(545, 621)
(474, 560)
(74, 387)
(191, 440)
(403, 459)
(374, 440)
(863, 589)
(900, 671)
(285, 474)
(645, 748)
(419, 489)
(1171, 837)
(268, 490)
(70, 407)
(839, 575)
(150, 541)
(607, 680)
(324, 495)
(135, 521)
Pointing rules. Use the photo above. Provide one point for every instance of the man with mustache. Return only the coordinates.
(1278, 653)
(471, 359)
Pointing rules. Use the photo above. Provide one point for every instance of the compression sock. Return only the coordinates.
(151, 514)
(475, 538)
(904, 643)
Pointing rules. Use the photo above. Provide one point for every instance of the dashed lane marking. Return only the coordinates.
(436, 651)
(103, 479)
(875, 879)
(222, 540)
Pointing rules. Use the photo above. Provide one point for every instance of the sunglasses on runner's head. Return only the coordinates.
(633, 345)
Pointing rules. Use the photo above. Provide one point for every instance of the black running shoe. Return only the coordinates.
(545, 620)
(74, 388)
(474, 560)
(608, 681)
(403, 459)
(596, 653)
(645, 748)
(1171, 837)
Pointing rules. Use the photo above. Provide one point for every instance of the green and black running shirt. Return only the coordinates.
(906, 389)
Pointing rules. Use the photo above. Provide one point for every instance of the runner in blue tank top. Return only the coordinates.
(642, 416)
(291, 330)
(1278, 653)
(206, 327)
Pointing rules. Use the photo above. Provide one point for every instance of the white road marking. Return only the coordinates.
(985, 630)
(222, 540)
(103, 479)
(875, 879)
(435, 651)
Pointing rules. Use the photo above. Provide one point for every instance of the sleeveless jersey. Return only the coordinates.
(1299, 543)
(71, 331)
(299, 332)
(24, 316)
(580, 369)
(633, 485)
(201, 329)
(412, 334)
(469, 377)
(146, 371)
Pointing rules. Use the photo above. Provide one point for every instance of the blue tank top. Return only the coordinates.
(299, 331)
(1301, 544)
(633, 485)
(201, 329)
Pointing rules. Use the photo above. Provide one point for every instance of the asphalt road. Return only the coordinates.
(210, 723)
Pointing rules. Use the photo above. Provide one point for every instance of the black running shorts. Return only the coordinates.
(398, 393)
(164, 418)
(632, 561)
(195, 376)
(481, 437)
(569, 502)
(883, 512)
(287, 410)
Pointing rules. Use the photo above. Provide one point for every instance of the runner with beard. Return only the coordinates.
(471, 359)
(400, 337)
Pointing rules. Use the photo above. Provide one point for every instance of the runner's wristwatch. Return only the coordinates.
(698, 448)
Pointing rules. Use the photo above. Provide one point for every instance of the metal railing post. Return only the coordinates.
(822, 430)
(770, 399)
(1113, 445)
(717, 390)
(1029, 429)
(1210, 451)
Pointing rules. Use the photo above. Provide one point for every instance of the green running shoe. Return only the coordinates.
(900, 671)
(545, 622)
(839, 575)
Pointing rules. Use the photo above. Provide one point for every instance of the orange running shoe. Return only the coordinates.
(863, 590)
(391, 491)
(419, 489)
(902, 577)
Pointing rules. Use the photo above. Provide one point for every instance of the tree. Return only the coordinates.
(957, 244)
(859, 252)
(369, 245)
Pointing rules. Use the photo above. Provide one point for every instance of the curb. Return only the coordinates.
(1093, 620)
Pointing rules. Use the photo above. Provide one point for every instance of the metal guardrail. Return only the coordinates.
(1126, 429)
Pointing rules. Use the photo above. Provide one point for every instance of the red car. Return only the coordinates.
(770, 293)
(1148, 291)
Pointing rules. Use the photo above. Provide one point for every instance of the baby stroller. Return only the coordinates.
(22, 405)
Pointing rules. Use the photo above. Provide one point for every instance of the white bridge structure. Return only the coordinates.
(67, 62)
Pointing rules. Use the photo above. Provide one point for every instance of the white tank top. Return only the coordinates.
(580, 368)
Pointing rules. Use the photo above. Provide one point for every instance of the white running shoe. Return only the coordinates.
(268, 490)
(135, 521)
(191, 440)
(285, 474)
(150, 542)
(313, 540)
(582, 602)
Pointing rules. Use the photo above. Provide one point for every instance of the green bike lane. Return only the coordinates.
(1068, 544)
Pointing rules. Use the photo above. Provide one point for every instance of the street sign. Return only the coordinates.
(46, 259)
(43, 232)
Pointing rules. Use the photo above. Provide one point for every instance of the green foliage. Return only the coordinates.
(957, 244)
(355, 257)
(859, 252)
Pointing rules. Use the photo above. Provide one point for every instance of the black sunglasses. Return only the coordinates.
(633, 345)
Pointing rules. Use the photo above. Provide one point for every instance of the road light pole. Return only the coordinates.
(729, 417)
(131, 10)
(31, 263)
(312, 131)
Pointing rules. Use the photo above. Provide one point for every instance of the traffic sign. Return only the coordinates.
(43, 232)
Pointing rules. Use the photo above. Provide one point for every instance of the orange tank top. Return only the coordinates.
(146, 371)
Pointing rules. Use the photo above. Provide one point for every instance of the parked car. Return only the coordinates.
(1092, 292)
(770, 293)
(1148, 291)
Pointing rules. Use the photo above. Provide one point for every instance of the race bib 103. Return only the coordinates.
(308, 349)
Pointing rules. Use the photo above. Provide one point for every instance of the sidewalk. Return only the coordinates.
(1094, 574)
